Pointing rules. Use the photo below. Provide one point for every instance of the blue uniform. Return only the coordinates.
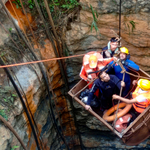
(127, 80)
(107, 89)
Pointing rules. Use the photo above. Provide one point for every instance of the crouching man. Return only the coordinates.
(107, 85)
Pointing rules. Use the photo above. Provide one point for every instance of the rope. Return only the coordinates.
(93, 79)
(118, 103)
(45, 60)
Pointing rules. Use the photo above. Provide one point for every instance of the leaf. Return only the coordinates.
(14, 147)
(10, 29)
(95, 25)
(30, 6)
(29, 1)
(5, 99)
(14, 95)
(17, 6)
(92, 26)
(96, 14)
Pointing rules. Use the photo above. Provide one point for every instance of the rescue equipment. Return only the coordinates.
(124, 50)
(93, 61)
(144, 84)
(124, 111)
(143, 102)
(122, 122)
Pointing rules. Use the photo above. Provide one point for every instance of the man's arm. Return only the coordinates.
(128, 101)
(91, 95)
(103, 51)
(131, 64)
(83, 74)
(118, 82)
(110, 67)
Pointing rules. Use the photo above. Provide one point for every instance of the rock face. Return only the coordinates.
(80, 39)
(134, 28)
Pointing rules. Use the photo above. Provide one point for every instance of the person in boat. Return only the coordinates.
(92, 61)
(127, 64)
(107, 85)
(111, 48)
(140, 98)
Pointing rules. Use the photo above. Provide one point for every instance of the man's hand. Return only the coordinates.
(122, 84)
(115, 97)
(115, 59)
(134, 82)
(90, 80)
(88, 107)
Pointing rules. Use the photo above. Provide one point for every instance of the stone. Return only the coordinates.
(4, 137)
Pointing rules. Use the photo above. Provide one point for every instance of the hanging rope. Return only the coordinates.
(118, 103)
(120, 22)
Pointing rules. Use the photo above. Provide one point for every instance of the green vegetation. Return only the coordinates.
(114, 1)
(95, 16)
(10, 29)
(7, 97)
(17, 2)
(53, 4)
(14, 147)
(3, 114)
(130, 26)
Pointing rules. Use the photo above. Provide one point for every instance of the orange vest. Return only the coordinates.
(100, 64)
(140, 106)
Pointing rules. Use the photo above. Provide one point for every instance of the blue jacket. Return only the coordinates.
(107, 89)
(117, 70)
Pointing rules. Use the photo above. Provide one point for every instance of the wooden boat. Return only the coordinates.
(136, 132)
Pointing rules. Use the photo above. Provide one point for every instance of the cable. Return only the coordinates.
(22, 101)
(40, 65)
(119, 22)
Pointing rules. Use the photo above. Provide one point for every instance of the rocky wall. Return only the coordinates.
(80, 40)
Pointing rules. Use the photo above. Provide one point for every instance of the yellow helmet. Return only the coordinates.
(144, 84)
(92, 61)
(124, 50)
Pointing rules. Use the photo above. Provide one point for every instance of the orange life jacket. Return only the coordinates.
(140, 106)
(121, 123)
(100, 64)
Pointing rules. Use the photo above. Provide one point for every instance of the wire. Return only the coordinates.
(22, 101)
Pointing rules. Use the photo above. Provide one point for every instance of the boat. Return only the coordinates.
(136, 132)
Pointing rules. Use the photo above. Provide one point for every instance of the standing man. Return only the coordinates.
(107, 85)
(126, 64)
(111, 48)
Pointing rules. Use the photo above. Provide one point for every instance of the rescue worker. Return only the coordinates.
(140, 98)
(126, 64)
(111, 48)
(107, 85)
(92, 61)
